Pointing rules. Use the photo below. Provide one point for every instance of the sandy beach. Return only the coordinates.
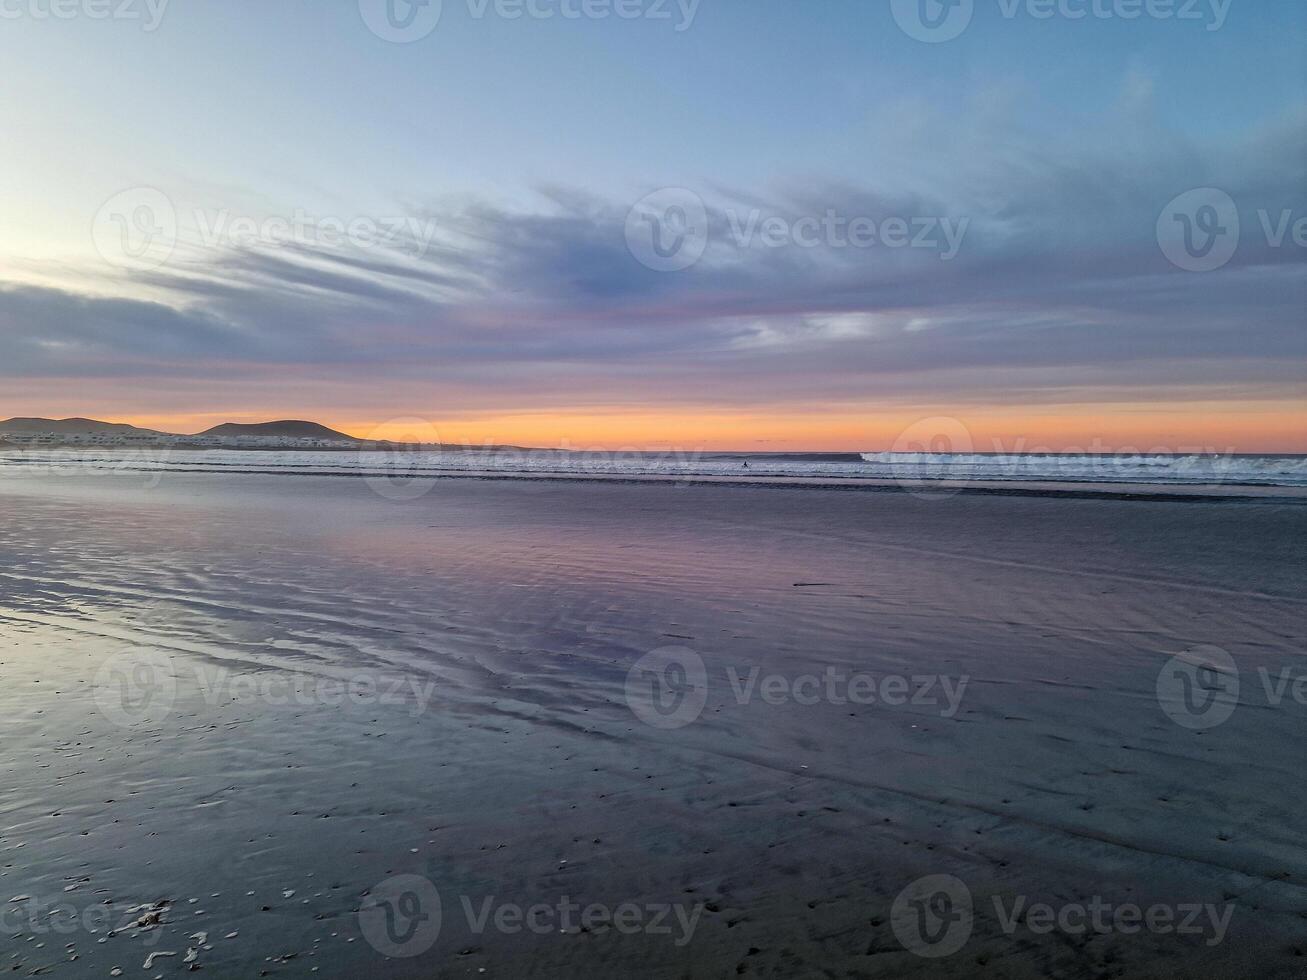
(284, 726)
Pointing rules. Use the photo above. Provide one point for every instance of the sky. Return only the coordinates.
(711, 224)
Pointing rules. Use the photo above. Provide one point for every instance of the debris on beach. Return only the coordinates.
(152, 917)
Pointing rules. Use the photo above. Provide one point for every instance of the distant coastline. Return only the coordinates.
(281, 435)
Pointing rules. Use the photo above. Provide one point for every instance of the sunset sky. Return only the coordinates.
(496, 171)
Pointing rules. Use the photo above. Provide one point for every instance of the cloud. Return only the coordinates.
(1058, 291)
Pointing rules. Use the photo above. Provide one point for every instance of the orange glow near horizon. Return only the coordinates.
(1218, 427)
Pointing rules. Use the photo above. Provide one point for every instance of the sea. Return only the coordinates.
(912, 468)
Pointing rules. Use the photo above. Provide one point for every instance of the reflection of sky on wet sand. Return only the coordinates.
(528, 603)
(545, 594)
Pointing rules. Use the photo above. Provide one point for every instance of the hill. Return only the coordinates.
(70, 426)
(287, 429)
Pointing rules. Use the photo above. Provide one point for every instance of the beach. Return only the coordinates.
(288, 725)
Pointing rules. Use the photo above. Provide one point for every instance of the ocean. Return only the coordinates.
(913, 469)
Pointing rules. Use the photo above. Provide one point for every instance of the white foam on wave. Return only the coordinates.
(1290, 471)
(1097, 467)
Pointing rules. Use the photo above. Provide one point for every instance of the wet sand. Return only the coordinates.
(521, 774)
